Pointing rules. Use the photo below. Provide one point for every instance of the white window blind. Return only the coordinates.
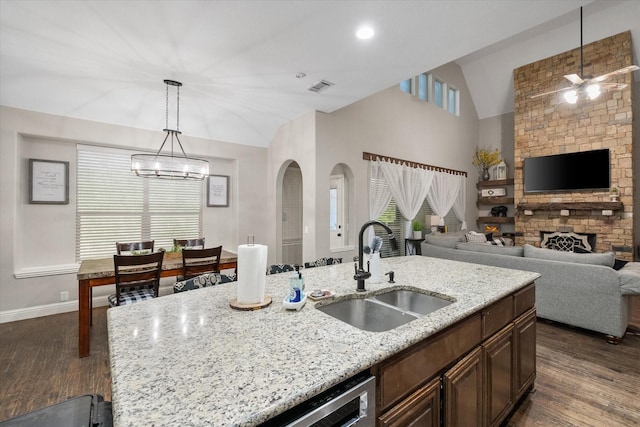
(115, 205)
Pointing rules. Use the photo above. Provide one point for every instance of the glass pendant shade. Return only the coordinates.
(170, 166)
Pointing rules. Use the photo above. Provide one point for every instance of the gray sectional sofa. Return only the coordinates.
(582, 290)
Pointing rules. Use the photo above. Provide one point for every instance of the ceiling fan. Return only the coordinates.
(592, 87)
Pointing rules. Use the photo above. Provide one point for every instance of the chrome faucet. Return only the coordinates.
(362, 275)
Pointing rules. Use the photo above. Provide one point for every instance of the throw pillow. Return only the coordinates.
(605, 258)
(475, 237)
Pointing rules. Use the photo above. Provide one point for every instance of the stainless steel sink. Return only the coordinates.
(385, 311)
(412, 301)
(368, 314)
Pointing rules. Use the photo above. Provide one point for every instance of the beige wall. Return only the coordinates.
(39, 240)
(390, 123)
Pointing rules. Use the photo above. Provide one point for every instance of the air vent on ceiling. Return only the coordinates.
(321, 85)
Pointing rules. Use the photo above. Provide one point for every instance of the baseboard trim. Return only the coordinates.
(58, 308)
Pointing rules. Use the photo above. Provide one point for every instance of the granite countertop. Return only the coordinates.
(189, 359)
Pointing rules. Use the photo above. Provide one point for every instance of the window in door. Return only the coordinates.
(336, 212)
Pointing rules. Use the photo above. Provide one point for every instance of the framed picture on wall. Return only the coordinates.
(48, 182)
(218, 191)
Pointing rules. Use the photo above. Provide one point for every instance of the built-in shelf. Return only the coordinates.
(576, 206)
(496, 220)
(494, 183)
(495, 200)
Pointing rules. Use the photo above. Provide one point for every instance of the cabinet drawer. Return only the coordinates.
(524, 299)
(497, 316)
(402, 375)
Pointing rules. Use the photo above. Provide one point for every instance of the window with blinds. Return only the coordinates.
(115, 205)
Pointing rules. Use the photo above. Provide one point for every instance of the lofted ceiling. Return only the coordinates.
(106, 60)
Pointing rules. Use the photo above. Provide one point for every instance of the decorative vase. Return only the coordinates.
(485, 174)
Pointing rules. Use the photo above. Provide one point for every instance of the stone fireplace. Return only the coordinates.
(546, 126)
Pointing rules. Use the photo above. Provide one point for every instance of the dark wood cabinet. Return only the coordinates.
(485, 362)
(463, 391)
(498, 357)
(525, 352)
(422, 408)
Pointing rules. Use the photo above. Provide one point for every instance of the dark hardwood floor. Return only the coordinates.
(582, 380)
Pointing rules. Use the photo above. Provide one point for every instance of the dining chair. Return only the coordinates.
(203, 281)
(280, 268)
(137, 278)
(132, 247)
(322, 262)
(200, 261)
(189, 243)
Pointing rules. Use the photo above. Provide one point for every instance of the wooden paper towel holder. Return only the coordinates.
(266, 302)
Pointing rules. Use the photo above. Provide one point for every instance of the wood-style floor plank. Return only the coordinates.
(581, 381)
(39, 364)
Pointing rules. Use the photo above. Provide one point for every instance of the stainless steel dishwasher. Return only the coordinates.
(350, 403)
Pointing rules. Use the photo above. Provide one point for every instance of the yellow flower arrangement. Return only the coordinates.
(485, 159)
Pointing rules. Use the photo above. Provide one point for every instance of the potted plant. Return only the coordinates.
(614, 194)
(484, 159)
(417, 229)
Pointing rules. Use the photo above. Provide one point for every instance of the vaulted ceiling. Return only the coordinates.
(106, 60)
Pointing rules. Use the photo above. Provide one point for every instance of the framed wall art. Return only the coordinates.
(218, 191)
(48, 182)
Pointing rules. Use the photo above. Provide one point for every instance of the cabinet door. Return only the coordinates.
(421, 408)
(463, 392)
(499, 362)
(525, 352)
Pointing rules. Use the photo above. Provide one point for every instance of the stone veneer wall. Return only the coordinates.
(546, 125)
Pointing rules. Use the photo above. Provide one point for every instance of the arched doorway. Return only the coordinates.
(291, 215)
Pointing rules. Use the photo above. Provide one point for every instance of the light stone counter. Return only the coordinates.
(189, 359)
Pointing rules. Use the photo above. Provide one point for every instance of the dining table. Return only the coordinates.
(101, 272)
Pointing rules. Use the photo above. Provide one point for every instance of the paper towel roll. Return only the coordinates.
(252, 268)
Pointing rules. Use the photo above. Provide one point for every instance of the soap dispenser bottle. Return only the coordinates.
(296, 286)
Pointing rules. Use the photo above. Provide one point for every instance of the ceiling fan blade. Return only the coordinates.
(552, 91)
(613, 86)
(624, 70)
(574, 78)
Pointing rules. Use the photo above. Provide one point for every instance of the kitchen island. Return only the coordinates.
(189, 359)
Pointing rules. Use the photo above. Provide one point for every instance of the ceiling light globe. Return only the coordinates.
(571, 96)
(593, 91)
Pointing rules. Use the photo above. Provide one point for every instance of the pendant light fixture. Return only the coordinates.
(170, 166)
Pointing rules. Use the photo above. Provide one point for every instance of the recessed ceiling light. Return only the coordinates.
(365, 32)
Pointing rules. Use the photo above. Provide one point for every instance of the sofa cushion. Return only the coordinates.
(492, 249)
(446, 240)
(604, 258)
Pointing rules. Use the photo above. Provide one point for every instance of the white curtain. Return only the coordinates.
(443, 193)
(460, 205)
(409, 187)
(379, 194)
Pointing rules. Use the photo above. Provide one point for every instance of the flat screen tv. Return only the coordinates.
(586, 170)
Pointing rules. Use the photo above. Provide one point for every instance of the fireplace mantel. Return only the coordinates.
(578, 206)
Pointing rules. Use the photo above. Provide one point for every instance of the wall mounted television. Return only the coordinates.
(585, 170)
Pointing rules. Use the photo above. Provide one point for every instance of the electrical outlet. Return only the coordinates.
(64, 296)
